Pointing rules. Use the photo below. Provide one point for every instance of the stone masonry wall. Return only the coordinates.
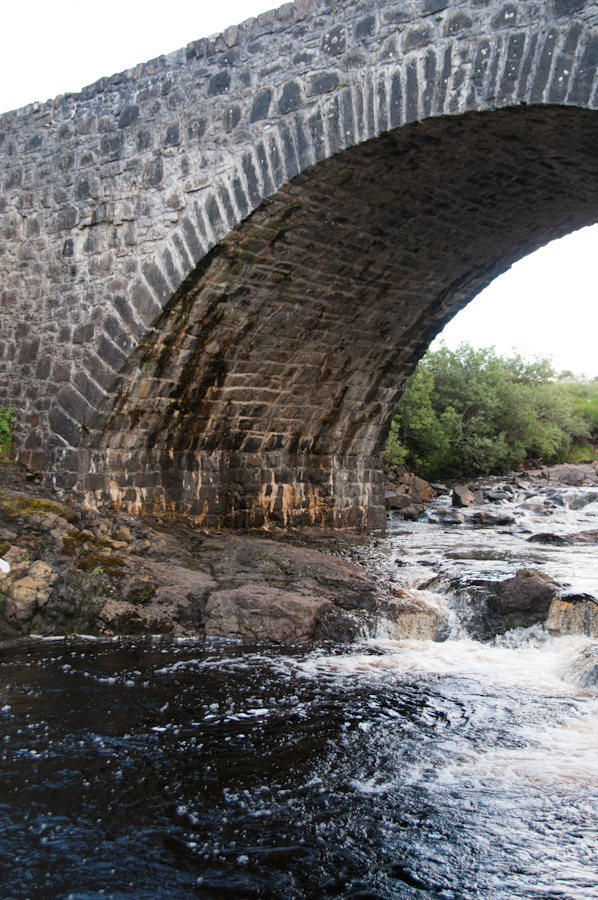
(112, 197)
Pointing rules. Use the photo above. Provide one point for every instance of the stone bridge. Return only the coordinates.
(218, 268)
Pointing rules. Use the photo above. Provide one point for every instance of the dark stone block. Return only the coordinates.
(544, 66)
(335, 138)
(170, 268)
(323, 84)
(562, 70)
(73, 403)
(396, 100)
(255, 194)
(153, 172)
(61, 371)
(515, 49)
(240, 197)
(416, 38)
(43, 368)
(290, 98)
(99, 372)
(173, 136)
(214, 216)
(364, 28)
(34, 143)
(232, 117)
(183, 255)
(412, 111)
(290, 157)
(146, 306)
(143, 140)
(116, 332)
(566, 7)
(506, 18)
(586, 72)
(82, 334)
(191, 239)
(301, 144)
(219, 83)
(156, 280)
(261, 106)
(68, 248)
(112, 146)
(317, 135)
(430, 76)
(28, 350)
(457, 23)
(63, 425)
(276, 162)
(128, 116)
(381, 106)
(88, 388)
(334, 42)
(262, 158)
(110, 354)
(227, 205)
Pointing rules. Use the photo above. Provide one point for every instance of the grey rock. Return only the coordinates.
(462, 496)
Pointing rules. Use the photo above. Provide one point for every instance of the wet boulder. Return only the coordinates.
(488, 519)
(573, 614)
(584, 670)
(529, 591)
(257, 612)
(462, 496)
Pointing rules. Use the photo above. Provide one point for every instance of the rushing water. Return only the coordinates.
(175, 769)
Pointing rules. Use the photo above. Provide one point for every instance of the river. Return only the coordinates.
(159, 768)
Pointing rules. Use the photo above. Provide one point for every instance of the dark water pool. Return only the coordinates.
(156, 769)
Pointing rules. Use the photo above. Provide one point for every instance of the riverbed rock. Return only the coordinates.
(583, 671)
(529, 591)
(462, 496)
(573, 614)
(417, 618)
(584, 537)
(495, 519)
(256, 612)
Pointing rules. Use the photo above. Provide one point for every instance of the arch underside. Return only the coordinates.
(264, 391)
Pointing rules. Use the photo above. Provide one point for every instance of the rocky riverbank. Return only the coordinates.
(75, 571)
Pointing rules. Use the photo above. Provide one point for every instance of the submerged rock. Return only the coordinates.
(584, 671)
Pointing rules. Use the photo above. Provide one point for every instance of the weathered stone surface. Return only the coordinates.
(496, 519)
(529, 591)
(462, 496)
(246, 264)
(573, 615)
(257, 612)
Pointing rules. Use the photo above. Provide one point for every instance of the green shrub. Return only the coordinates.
(7, 418)
(471, 412)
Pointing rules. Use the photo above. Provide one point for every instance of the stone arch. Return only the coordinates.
(264, 392)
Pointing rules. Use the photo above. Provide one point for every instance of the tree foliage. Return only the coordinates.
(471, 412)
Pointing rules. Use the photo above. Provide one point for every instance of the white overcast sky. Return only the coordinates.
(546, 305)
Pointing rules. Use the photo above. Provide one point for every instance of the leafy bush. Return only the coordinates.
(7, 418)
(471, 412)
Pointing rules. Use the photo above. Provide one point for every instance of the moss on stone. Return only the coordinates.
(109, 565)
(34, 506)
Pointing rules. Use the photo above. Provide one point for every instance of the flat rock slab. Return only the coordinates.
(262, 613)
